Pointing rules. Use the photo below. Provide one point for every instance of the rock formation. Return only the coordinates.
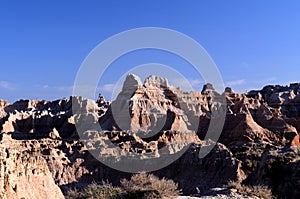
(24, 173)
(50, 144)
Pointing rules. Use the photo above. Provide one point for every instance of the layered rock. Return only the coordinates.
(148, 108)
(155, 106)
(151, 120)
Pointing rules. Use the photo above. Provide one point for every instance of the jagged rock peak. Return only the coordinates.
(229, 90)
(276, 95)
(208, 87)
(3, 103)
(156, 81)
(278, 88)
(295, 85)
(132, 81)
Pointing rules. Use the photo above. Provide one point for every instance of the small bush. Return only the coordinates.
(259, 191)
(142, 186)
(234, 185)
(157, 188)
(262, 192)
(95, 191)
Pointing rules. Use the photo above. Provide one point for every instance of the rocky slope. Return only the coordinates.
(24, 172)
(56, 144)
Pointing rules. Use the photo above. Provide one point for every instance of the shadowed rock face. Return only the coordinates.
(259, 138)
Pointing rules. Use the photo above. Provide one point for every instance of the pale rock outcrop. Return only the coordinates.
(24, 173)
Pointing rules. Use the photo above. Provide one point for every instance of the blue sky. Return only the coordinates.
(43, 43)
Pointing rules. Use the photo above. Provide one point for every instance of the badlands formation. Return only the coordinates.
(49, 147)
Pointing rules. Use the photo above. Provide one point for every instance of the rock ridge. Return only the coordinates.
(259, 139)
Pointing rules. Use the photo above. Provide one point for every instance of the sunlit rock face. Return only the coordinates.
(259, 140)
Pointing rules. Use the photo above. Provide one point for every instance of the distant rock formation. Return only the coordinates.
(53, 139)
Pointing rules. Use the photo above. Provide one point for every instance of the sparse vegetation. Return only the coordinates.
(262, 191)
(96, 191)
(148, 182)
(259, 191)
(143, 186)
(234, 185)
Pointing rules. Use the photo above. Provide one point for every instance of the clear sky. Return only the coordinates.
(43, 43)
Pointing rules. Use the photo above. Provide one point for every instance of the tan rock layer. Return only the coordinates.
(40, 139)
